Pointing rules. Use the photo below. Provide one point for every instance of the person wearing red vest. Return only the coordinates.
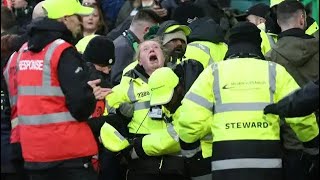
(48, 81)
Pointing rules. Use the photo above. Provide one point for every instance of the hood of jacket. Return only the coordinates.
(205, 29)
(296, 47)
(43, 31)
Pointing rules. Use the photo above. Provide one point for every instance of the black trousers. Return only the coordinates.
(13, 176)
(110, 166)
(133, 175)
(64, 173)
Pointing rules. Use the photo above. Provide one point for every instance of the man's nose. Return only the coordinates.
(178, 42)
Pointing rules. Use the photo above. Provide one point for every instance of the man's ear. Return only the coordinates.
(302, 21)
(146, 29)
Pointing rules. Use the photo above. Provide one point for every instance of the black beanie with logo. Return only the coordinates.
(100, 50)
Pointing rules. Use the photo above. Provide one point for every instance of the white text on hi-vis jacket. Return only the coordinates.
(31, 65)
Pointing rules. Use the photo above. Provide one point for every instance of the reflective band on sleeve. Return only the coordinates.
(199, 100)
(131, 95)
(46, 119)
(250, 106)
(110, 109)
(205, 49)
(203, 177)
(119, 136)
(208, 137)
(36, 90)
(272, 80)
(46, 76)
(190, 153)
(173, 132)
(14, 123)
(141, 105)
(245, 163)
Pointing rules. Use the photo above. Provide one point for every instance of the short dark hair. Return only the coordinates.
(8, 19)
(287, 9)
(147, 15)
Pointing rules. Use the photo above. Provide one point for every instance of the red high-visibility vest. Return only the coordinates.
(48, 132)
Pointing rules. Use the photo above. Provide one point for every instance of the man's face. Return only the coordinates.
(255, 19)
(176, 47)
(151, 56)
(73, 23)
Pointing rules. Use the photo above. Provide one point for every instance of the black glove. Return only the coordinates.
(271, 109)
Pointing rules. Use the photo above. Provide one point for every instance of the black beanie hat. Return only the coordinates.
(244, 32)
(187, 13)
(100, 50)
(244, 37)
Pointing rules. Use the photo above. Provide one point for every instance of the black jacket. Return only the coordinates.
(79, 97)
(300, 103)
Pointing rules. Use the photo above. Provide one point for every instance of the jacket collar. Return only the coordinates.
(295, 32)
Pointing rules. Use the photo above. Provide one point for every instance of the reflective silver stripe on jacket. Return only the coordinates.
(201, 101)
(40, 90)
(14, 123)
(141, 105)
(110, 109)
(246, 163)
(172, 132)
(131, 95)
(46, 74)
(208, 137)
(46, 89)
(254, 106)
(205, 49)
(271, 40)
(203, 177)
(142, 77)
(119, 135)
(46, 118)
(190, 153)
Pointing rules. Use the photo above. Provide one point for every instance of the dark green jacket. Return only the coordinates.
(298, 53)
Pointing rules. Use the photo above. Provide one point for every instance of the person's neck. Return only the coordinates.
(285, 28)
(136, 33)
(88, 32)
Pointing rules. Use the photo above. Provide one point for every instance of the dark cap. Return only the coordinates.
(260, 10)
(100, 50)
(244, 32)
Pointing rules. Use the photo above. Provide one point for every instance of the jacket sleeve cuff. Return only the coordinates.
(137, 144)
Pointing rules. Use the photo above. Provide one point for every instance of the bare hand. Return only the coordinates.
(99, 92)
(162, 12)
